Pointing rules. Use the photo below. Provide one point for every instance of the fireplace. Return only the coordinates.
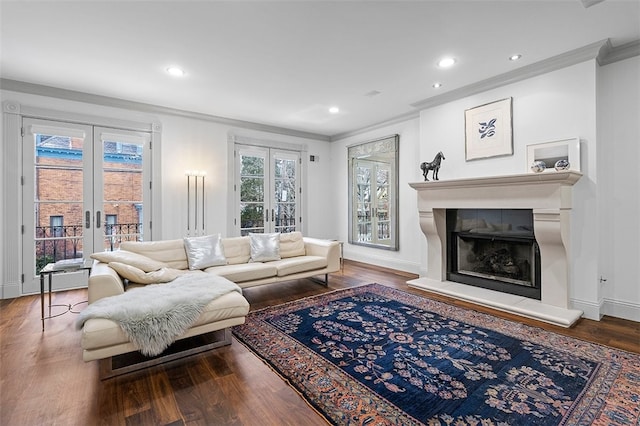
(494, 249)
(541, 243)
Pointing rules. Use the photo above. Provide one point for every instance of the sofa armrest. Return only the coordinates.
(104, 282)
(325, 248)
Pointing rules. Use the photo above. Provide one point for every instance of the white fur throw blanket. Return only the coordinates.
(153, 316)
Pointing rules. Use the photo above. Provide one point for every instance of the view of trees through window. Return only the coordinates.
(268, 192)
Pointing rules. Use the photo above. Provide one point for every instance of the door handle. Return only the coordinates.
(266, 216)
(87, 219)
(272, 215)
(98, 219)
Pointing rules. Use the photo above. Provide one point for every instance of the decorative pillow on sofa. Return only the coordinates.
(136, 275)
(203, 252)
(264, 247)
(129, 258)
(292, 244)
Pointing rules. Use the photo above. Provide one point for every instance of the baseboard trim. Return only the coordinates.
(621, 309)
(10, 291)
(385, 262)
(592, 311)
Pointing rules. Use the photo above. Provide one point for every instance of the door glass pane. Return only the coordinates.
(252, 188)
(122, 213)
(382, 203)
(363, 202)
(285, 195)
(58, 202)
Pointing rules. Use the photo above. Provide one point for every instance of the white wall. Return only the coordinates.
(189, 143)
(412, 244)
(619, 188)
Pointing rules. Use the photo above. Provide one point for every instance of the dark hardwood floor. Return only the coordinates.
(45, 382)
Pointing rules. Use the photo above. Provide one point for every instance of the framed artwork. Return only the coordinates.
(562, 154)
(488, 130)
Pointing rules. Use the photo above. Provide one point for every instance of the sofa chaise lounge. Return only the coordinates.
(299, 257)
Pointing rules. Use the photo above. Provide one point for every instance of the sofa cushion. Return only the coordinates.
(171, 252)
(294, 265)
(135, 275)
(139, 261)
(264, 247)
(236, 250)
(245, 271)
(98, 332)
(291, 245)
(203, 252)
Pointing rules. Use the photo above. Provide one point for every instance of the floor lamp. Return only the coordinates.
(195, 178)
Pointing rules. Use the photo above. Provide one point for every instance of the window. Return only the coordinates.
(373, 200)
(56, 223)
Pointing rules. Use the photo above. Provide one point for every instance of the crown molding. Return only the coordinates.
(397, 119)
(591, 51)
(588, 3)
(620, 53)
(72, 95)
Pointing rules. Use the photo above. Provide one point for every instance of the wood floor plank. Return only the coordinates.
(45, 382)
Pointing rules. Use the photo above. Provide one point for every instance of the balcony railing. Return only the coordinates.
(115, 233)
(55, 243)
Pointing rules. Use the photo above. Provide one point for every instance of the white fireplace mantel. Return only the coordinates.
(549, 195)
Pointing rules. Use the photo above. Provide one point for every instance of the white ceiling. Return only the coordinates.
(285, 63)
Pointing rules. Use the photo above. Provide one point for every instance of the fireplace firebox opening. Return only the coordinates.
(494, 249)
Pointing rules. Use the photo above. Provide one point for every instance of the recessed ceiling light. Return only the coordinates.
(446, 62)
(176, 72)
(514, 57)
(436, 85)
(334, 110)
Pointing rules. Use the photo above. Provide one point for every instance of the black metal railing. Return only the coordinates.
(53, 243)
(115, 233)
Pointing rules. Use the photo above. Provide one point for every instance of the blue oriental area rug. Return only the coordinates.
(375, 355)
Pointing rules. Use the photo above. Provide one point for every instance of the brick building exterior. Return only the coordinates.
(59, 211)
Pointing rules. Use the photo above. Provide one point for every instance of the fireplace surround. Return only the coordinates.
(548, 195)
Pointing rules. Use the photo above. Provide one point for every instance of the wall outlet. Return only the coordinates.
(314, 158)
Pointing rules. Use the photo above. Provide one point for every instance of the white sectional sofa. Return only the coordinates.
(299, 257)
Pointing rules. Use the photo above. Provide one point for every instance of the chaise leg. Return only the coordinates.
(324, 283)
(134, 361)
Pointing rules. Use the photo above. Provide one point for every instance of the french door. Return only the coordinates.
(268, 189)
(85, 189)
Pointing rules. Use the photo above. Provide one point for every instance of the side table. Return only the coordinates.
(58, 268)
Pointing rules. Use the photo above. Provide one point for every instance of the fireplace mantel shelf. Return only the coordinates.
(567, 177)
(547, 194)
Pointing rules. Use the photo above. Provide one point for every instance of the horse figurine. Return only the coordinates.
(434, 165)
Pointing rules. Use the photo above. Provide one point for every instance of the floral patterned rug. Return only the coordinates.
(375, 355)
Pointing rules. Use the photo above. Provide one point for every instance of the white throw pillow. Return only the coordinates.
(136, 275)
(292, 245)
(264, 247)
(203, 252)
(129, 258)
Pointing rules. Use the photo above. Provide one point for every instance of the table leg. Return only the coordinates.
(42, 299)
(50, 280)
